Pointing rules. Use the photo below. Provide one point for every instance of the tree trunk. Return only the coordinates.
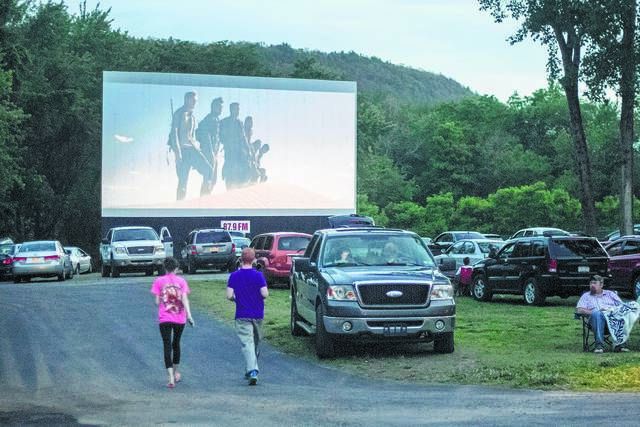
(570, 52)
(627, 94)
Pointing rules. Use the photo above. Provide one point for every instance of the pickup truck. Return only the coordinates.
(370, 284)
(135, 249)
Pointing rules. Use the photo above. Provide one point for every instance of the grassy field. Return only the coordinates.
(502, 343)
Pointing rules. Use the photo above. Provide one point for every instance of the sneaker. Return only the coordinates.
(622, 349)
(253, 377)
(598, 350)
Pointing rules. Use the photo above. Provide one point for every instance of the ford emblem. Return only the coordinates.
(394, 294)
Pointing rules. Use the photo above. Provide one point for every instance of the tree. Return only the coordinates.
(612, 61)
(559, 25)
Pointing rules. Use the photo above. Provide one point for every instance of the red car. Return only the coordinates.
(272, 250)
(624, 265)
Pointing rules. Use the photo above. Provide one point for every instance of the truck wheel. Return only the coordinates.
(115, 271)
(296, 330)
(635, 287)
(325, 343)
(533, 295)
(443, 343)
(106, 270)
(148, 272)
(162, 271)
(480, 289)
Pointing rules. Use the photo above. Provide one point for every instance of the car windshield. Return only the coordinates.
(293, 243)
(38, 247)
(241, 241)
(485, 247)
(577, 248)
(213, 237)
(134, 234)
(375, 249)
(468, 235)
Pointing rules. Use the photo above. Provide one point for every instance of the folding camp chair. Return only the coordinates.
(588, 337)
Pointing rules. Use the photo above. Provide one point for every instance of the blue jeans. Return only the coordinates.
(598, 323)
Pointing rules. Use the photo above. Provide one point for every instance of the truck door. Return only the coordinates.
(167, 241)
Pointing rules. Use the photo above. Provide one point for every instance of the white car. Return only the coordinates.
(476, 250)
(80, 260)
(539, 231)
(44, 258)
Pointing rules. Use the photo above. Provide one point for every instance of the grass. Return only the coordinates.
(502, 342)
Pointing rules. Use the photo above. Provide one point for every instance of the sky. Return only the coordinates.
(449, 37)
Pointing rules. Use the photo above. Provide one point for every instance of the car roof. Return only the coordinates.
(217, 230)
(361, 230)
(132, 227)
(40, 241)
(284, 233)
(480, 241)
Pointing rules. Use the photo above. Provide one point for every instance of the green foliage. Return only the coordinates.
(365, 207)
(382, 181)
(407, 215)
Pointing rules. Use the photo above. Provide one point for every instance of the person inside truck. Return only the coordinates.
(390, 253)
(344, 256)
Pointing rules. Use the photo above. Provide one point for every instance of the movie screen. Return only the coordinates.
(200, 145)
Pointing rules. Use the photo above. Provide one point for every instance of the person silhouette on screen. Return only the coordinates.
(208, 135)
(236, 149)
(183, 142)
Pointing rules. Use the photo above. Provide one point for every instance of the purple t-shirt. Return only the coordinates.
(170, 289)
(246, 284)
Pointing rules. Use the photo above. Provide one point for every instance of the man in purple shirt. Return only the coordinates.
(594, 303)
(248, 289)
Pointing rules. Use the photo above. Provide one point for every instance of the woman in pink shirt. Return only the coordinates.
(173, 312)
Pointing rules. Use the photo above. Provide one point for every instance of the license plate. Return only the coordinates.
(35, 260)
(214, 249)
(395, 329)
(583, 269)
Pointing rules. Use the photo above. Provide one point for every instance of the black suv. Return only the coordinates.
(538, 267)
(351, 220)
(370, 284)
(208, 248)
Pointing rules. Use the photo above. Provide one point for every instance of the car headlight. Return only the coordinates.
(441, 292)
(120, 250)
(158, 249)
(341, 293)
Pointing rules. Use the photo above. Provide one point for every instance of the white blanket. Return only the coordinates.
(621, 319)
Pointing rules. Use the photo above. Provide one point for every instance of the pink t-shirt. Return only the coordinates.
(170, 289)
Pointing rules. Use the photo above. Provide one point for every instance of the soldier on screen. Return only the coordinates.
(208, 135)
(235, 171)
(183, 142)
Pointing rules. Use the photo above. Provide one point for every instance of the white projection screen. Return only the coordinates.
(249, 146)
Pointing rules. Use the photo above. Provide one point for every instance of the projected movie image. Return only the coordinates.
(196, 145)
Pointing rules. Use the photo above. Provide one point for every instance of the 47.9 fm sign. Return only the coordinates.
(243, 226)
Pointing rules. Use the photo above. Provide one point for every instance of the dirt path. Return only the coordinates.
(89, 352)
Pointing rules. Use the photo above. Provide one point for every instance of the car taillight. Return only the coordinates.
(233, 247)
(20, 259)
(553, 266)
(7, 261)
(52, 258)
(280, 260)
(193, 250)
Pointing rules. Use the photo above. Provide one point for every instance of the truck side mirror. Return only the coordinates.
(167, 239)
(105, 241)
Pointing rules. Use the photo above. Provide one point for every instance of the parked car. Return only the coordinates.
(386, 289)
(241, 243)
(448, 238)
(7, 252)
(135, 249)
(538, 267)
(615, 234)
(80, 260)
(352, 220)
(209, 248)
(476, 250)
(44, 258)
(624, 265)
(492, 236)
(273, 253)
(6, 241)
(234, 233)
(539, 231)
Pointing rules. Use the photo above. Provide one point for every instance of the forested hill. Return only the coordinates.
(407, 85)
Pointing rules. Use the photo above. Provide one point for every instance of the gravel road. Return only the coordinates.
(88, 352)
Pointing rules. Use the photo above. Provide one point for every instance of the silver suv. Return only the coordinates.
(208, 248)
